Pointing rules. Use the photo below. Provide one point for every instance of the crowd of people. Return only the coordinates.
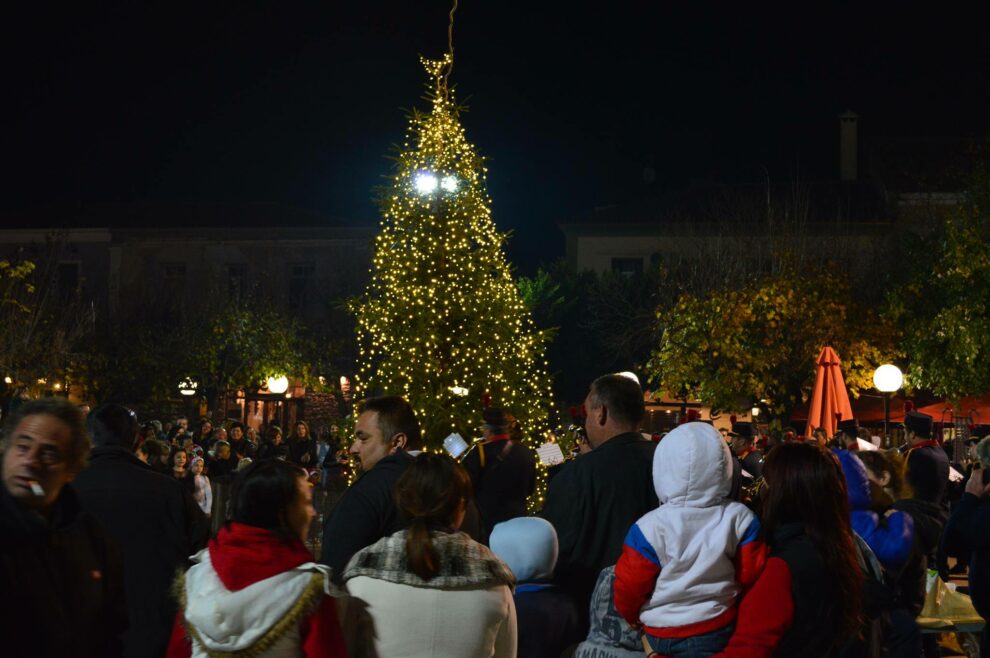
(122, 538)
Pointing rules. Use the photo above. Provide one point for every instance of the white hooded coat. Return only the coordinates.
(696, 531)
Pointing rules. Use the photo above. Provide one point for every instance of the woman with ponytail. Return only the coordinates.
(430, 590)
(808, 601)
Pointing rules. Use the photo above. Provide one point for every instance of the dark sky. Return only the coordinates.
(298, 104)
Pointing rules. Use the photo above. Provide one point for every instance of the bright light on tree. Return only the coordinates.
(449, 184)
(426, 183)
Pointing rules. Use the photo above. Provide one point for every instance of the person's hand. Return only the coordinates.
(975, 484)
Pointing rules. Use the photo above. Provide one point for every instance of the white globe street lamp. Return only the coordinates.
(628, 375)
(888, 379)
(278, 385)
(188, 386)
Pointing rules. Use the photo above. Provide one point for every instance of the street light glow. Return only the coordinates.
(278, 385)
(628, 375)
(888, 378)
(188, 386)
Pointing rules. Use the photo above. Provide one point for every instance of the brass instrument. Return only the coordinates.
(750, 493)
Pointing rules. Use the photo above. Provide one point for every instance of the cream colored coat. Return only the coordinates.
(402, 621)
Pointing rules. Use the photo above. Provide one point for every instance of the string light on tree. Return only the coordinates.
(441, 322)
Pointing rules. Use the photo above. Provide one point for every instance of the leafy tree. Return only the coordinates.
(235, 346)
(944, 305)
(442, 322)
(43, 327)
(736, 346)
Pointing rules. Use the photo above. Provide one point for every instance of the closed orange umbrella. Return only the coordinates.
(830, 401)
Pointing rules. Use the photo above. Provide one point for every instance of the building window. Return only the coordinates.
(236, 277)
(628, 267)
(173, 286)
(67, 279)
(301, 277)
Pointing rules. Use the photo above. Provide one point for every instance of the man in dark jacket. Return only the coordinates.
(367, 512)
(60, 574)
(151, 518)
(969, 530)
(743, 436)
(927, 463)
(596, 498)
(502, 471)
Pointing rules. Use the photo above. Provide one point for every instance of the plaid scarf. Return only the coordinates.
(464, 563)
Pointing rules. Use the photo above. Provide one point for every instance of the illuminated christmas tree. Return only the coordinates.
(442, 322)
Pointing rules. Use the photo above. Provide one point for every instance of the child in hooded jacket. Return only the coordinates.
(890, 537)
(684, 564)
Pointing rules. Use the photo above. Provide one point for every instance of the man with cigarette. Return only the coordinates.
(61, 576)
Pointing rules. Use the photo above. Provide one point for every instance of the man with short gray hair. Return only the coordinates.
(596, 498)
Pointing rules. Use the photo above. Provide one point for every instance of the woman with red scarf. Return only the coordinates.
(256, 590)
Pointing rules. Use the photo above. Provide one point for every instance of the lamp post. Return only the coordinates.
(887, 378)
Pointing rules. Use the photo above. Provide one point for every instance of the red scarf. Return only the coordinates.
(243, 554)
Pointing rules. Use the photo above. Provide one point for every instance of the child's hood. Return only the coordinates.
(692, 467)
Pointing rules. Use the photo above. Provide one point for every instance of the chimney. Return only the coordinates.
(848, 128)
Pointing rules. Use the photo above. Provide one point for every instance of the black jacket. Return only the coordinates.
(593, 502)
(547, 619)
(910, 584)
(269, 450)
(365, 513)
(813, 597)
(969, 530)
(152, 521)
(504, 483)
(61, 583)
(299, 450)
(928, 472)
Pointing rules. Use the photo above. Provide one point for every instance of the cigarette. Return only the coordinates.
(36, 488)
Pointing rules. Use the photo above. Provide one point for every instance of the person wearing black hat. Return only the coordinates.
(847, 433)
(927, 463)
(927, 472)
(743, 436)
(502, 470)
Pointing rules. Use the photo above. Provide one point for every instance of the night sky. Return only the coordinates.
(298, 104)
